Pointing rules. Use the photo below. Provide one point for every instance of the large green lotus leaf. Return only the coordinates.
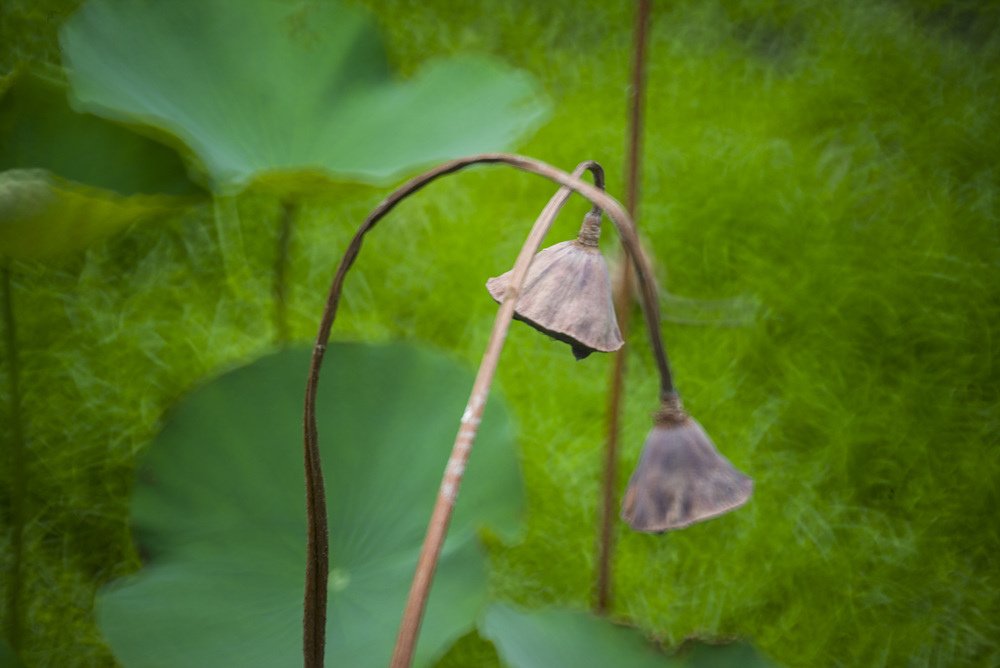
(219, 513)
(39, 130)
(68, 179)
(556, 637)
(263, 86)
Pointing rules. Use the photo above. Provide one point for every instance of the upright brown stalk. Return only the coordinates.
(623, 309)
(314, 620)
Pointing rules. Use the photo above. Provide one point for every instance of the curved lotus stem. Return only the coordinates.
(314, 622)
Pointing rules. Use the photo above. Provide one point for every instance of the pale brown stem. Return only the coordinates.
(317, 562)
(623, 310)
(469, 425)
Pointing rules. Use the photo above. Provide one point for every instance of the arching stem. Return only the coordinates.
(317, 564)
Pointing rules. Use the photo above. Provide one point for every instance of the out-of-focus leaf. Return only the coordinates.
(738, 311)
(556, 637)
(730, 655)
(265, 86)
(42, 215)
(219, 513)
(68, 179)
(38, 129)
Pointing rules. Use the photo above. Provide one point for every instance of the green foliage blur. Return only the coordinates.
(836, 162)
(69, 179)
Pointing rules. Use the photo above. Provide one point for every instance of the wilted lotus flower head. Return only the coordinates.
(567, 293)
(681, 478)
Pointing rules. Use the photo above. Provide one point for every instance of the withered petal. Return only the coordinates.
(567, 296)
(681, 479)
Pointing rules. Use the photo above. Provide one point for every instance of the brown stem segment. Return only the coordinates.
(623, 310)
(317, 562)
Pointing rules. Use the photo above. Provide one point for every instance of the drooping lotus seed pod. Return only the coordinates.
(567, 294)
(681, 478)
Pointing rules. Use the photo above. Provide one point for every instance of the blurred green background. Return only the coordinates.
(830, 166)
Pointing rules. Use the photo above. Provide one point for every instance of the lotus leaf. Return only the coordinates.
(219, 513)
(68, 179)
(559, 637)
(262, 88)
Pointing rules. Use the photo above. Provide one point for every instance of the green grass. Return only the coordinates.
(836, 162)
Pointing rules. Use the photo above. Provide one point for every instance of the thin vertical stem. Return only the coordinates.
(18, 467)
(289, 209)
(637, 102)
(623, 310)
